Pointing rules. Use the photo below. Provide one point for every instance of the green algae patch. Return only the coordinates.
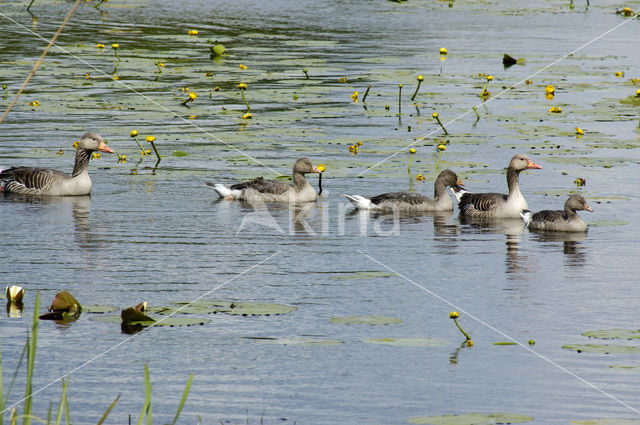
(602, 348)
(365, 320)
(505, 343)
(408, 342)
(472, 419)
(607, 422)
(608, 223)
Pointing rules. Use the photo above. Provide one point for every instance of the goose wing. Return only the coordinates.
(274, 187)
(30, 179)
(481, 201)
(548, 216)
(400, 197)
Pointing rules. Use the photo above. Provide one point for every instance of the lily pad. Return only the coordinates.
(607, 422)
(101, 309)
(613, 334)
(179, 153)
(602, 349)
(298, 341)
(231, 307)
(362, 275)
(472, 419)
(365, 320)
(505, 343)
(168, 321)
(408, 342)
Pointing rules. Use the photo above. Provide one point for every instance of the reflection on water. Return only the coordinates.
(572, 246)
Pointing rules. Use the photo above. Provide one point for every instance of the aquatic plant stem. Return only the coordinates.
(410, 159)
(455, 320)
(399, 98)
(437, 117)
(439, 156)
(420, 79)
(29, 7)
(104, 417)
(37, 65)
(139, 145)
(65, 384)
(366, 92)
(153, 145)
(245, 100)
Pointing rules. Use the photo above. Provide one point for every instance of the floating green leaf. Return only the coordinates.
(505, 343)
(229, 307)
(168, 321)
(408, 342)
(179, 153)
(298, 341)
(608, 223)
(608, 422)
(613, 334)
(603, 349)
(366, 320)
(362, 275)
(472, 419)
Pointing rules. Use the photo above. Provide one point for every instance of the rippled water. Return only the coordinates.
(160, 235)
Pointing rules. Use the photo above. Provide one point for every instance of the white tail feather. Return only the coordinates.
(526, 216)
(360, 202)
(223, 191)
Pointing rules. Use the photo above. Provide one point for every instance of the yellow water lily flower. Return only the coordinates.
(442, 147)
(420, 78)
(555, 110)
(420, 178)
(247, 116)
(435, 115)
(242, 86)
(34, 103)
(100, 46)
(619, 74)
(443, 51)
(321, 168)
(354, 96)
(579, 131)
(150, 139)
(243, 67)
(412, 151)
(490, 77)
(193, 32)
(193, 96)
(133, 133)
(454, 315)
(115, 46)
(638, 93)
(550, 89)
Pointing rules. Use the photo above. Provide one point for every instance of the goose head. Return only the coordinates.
(451, 179)
(304, 166)
(577, 203)
(91, 141)
(522, 162)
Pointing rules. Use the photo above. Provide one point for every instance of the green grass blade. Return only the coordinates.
(185, 393)
(62, 398)
(31, 360)
(104, 417)
(15, 374)
(147, 390)
(49, 413)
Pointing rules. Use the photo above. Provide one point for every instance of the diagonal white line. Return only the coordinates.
(464, 114)
(147, 98)
(96, 357)
(548, 360)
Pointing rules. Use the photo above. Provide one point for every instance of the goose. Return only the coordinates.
(566, 220)
(266, 190)
(405, 201)
(496, 205)
(49, 182)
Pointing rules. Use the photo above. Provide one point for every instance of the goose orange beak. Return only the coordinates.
(588, 208)
(102, 147)
(533, 165)
(459, 183)
(315, 170)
